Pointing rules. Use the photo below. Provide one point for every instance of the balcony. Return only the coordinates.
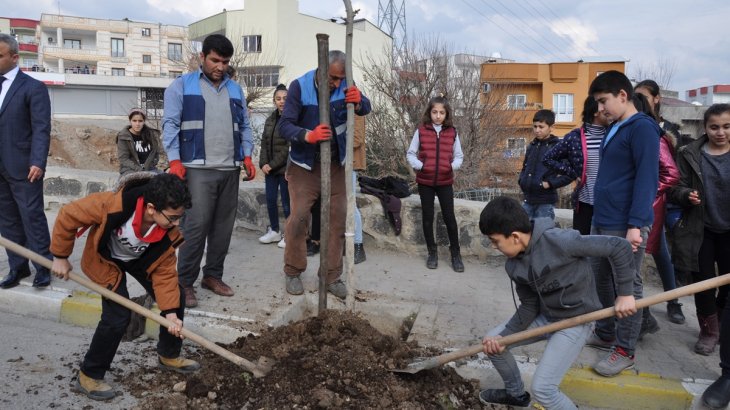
(30, 48)
(64, 52)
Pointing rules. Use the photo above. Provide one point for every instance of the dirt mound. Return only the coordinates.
(83, 146)
(334, 361)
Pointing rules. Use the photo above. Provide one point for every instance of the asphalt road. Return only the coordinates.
(39, 360)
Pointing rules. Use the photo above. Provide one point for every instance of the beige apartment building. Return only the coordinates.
(276, 43)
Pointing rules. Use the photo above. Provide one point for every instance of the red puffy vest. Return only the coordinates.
(436, 151)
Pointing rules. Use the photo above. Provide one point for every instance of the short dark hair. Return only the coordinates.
(448, 121)
(611, 82)
(546, 116)
(504, 215)
(590, 108)
(218, 43)
(167, 191)
(715, 109)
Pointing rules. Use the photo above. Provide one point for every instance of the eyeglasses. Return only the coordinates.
(172, 218)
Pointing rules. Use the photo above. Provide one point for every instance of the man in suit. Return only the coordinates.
(25, 128)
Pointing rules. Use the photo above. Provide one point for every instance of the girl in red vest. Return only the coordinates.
(434, 153)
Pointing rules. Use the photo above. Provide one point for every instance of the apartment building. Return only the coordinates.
(712, 94)
(24, 30)
(276, 43)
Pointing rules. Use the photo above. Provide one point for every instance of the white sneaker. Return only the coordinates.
(270, 237)
(282, 243)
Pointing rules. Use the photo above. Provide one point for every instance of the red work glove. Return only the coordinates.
(177, 168)
(353, 95)
(249, 168)
(320, 133)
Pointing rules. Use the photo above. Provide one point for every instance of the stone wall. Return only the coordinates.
(63, 185)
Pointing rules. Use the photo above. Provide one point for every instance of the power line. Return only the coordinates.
(562, 21)
(525, 25)
(545, 20)
(500, 27)
(537, 17)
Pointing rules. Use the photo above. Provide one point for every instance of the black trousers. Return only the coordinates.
(725, 339)
(113, 324)
(445, 195)
(715, 249)
(582, 218)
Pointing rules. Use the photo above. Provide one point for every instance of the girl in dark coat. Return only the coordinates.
(272, 161)
(138, 146)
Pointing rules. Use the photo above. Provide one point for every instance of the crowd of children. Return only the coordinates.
(620, 213)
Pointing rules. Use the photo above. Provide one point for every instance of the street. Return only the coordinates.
(39, 361)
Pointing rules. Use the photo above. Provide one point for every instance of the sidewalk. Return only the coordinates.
(451, 310)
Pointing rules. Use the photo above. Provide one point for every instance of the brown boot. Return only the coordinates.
(709, 334)
(92, 388)
(190, 299)
(178, 364)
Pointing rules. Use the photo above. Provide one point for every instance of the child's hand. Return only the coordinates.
(492, 346)
(61, 267)
(625, 306)
(633, 235)
(545, 184)
(694, 198)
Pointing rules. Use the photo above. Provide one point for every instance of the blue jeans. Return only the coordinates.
(539, 211)
(358, 217)
(625, 331)
(562, 348)
(276, 183)
(663, 261)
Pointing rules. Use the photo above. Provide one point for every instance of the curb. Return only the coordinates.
(629, 390)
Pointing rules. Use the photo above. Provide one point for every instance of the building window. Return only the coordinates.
(146, 58)
(174, 51)
(175, 74)
(152, 102)
(117, 47)
(515, 147)
(252, 44)
(516, 101)
(69, 43)
(118, 72)
(563, 107)
(146, 32)
(259, 76)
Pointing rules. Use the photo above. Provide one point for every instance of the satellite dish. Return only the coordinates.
(697, 103)
(496, 54)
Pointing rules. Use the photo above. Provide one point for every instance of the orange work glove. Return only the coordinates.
(353, 95)
(177, 168)
(320, 133)
(249, 168)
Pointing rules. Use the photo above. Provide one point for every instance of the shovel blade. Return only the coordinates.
(417, 366)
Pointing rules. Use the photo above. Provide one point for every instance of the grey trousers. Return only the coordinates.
(625, 331)
(215, 201)
(562, 348)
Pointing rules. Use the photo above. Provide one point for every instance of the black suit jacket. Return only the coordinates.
(25, 126)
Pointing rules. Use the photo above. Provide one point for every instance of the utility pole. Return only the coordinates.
(392, 20)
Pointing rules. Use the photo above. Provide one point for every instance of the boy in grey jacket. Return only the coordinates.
(554, 280)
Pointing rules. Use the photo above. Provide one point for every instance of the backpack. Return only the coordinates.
(391, 185)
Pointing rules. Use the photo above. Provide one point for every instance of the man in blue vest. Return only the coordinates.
(207, 136)
(300, 125)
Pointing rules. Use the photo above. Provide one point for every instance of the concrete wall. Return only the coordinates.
(63, 185)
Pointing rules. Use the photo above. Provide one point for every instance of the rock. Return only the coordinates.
(212, 395)
(179, 387)
(324, 397)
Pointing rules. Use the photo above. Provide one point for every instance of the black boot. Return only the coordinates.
(433, 258)
(717, 396)
(674, 312)
(648, 323)
(359, 253)
(456, 264)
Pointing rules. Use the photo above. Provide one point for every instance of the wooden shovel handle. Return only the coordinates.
(28, 254)
(587, 317)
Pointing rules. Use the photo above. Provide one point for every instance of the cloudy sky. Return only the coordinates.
(688, 35)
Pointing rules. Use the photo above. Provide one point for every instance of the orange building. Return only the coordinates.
(524, 88)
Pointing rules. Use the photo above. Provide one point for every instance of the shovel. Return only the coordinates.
(437, 361)
(259, 369)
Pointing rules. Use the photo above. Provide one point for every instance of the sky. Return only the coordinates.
(690, 36)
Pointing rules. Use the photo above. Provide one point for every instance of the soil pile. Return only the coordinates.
(334, 361)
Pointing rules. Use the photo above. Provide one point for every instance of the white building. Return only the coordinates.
(102, 68)
(278, 44)
(713, 94)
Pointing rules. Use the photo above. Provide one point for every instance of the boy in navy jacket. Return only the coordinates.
(624, 194)
(538, 183)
